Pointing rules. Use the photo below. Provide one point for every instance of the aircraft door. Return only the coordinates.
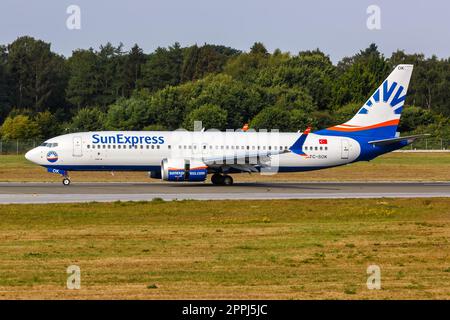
(77, 147)
(345, 147)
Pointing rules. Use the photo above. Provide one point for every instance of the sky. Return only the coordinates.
(339, 28)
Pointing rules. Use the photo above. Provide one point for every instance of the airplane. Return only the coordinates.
(183, 156)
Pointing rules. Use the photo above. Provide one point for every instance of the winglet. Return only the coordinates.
(297, 147)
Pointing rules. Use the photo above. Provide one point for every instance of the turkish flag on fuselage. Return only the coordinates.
(323, 141)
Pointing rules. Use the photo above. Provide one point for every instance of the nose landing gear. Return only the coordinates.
(66, 181)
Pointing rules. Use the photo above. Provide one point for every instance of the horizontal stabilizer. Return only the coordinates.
(409, 139)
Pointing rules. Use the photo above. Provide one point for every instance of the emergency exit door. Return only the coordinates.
(345, 147)
(77, 147)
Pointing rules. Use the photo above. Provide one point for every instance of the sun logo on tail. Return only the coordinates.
(395, 101)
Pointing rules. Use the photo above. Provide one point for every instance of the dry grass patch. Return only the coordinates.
(290, 249)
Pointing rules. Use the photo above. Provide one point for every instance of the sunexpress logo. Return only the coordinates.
(124, 139)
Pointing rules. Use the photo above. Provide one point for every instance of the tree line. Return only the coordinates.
(43, 94)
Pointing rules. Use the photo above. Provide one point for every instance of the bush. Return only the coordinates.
(211, 116)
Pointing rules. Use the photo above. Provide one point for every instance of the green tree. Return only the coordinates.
(38, 75)
(207, 59)
(272, 118)
(211, 116)
(133, 64)
(414, 117)
(83, 85)
(360, 75)
(129, 114)
(88, 119)
(5, 105)
(345, 113)
(162, 68)
(48, 125)
(245, 66)
(19, 127)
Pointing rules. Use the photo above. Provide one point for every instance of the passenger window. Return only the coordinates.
(153, 147)
(320, 148)
(114, 146)
(315, 148)
(109, 146)
(157, 147)
(270, 147)
(88, 146)
(326, 148)
(169, 146)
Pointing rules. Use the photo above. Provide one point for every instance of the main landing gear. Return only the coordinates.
(219, 179)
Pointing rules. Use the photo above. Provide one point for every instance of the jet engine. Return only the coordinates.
(183, 170)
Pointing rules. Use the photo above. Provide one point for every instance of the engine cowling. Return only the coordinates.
(183, 170)
(154, 174)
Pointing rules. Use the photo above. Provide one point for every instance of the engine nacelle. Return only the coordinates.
(154, 174)
(183, 170)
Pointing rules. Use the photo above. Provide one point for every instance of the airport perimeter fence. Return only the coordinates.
(11, 147)
(16, 147)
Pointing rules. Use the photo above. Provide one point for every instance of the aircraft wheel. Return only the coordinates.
(227, 180)
(66, 181)
(216, 178)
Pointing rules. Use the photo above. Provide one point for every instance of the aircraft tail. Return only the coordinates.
(380, 115)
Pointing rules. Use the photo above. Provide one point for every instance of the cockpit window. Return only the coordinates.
(49, 145)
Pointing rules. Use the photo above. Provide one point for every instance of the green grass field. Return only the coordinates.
(389, 167)
(293, 249)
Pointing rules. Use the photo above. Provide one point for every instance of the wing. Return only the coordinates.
(242, 161)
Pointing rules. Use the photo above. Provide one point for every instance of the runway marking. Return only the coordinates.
(79, 198)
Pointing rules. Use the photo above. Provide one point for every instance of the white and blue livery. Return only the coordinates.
(190, 156)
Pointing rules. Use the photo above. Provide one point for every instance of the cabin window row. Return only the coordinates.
(228, 147)
(109, 146)
(211, 147)
(310, 148)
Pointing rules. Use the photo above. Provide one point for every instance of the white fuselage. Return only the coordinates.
(144, 150)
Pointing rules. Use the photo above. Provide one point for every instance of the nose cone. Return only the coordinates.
(32, 155)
